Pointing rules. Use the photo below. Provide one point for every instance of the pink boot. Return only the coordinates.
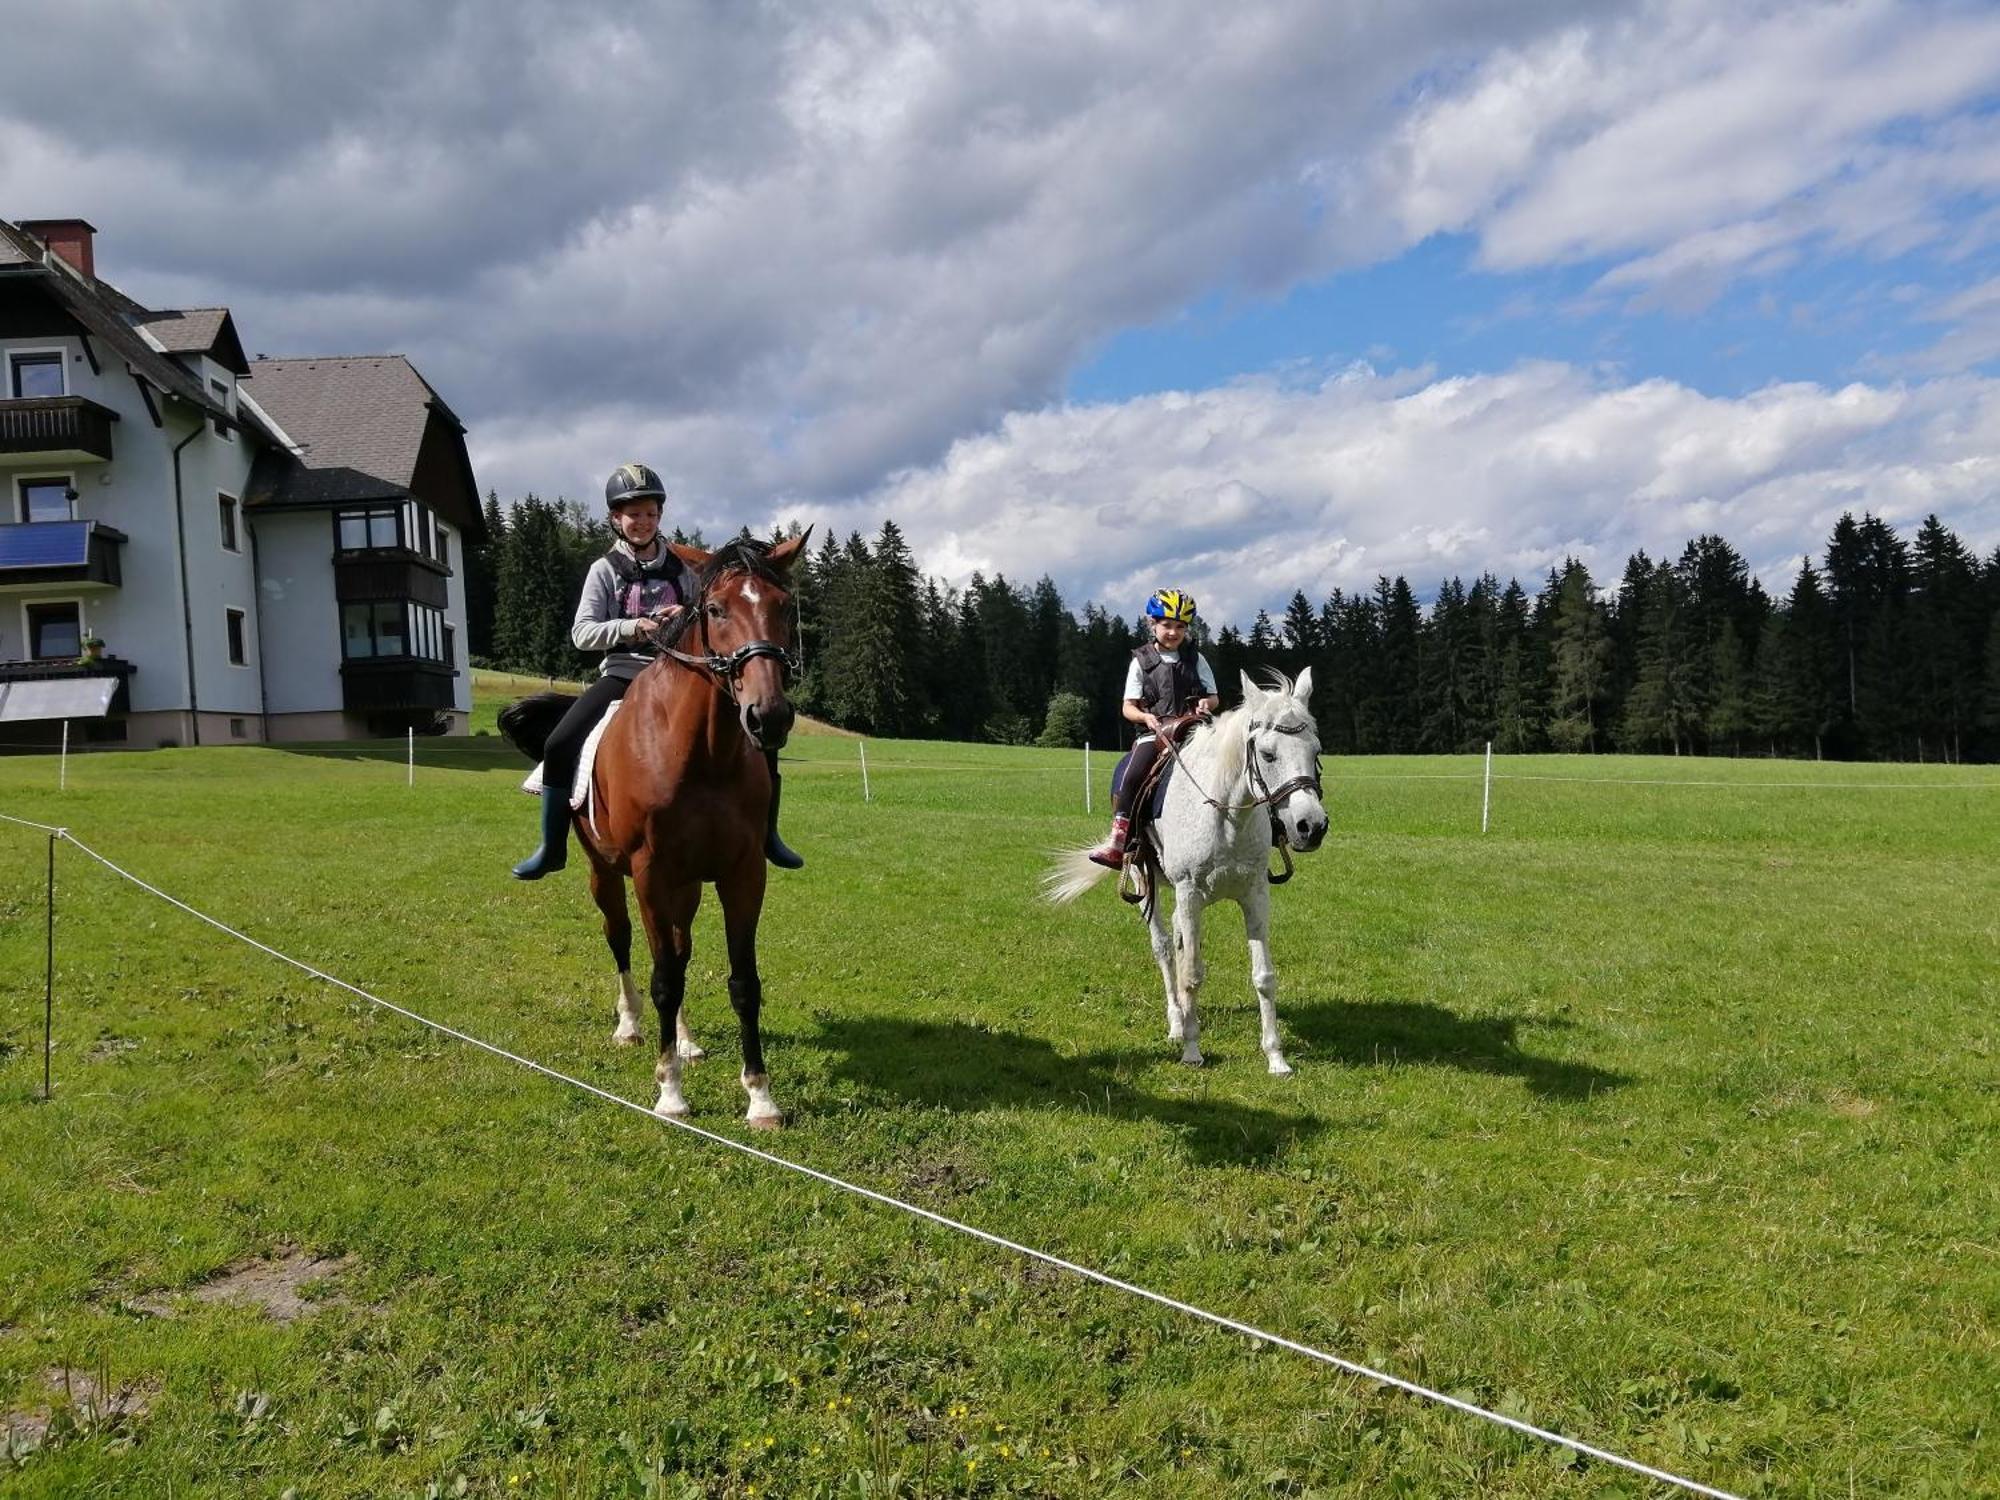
(1112, 855)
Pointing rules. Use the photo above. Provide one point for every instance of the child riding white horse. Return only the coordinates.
(1247, 779)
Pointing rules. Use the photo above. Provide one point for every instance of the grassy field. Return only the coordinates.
(1664, 1115)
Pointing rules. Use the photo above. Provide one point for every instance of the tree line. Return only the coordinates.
(1884, 649)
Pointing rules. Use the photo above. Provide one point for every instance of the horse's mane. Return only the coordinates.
(1222, 742)
(741, 555)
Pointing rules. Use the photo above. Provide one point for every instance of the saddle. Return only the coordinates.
(1149, 800)
(579, 798)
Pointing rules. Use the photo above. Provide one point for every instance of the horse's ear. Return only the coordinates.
(694, 557)
(1303, 688)
(1252, 694)
(782, 555)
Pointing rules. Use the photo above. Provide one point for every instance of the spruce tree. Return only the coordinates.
(1581, 660)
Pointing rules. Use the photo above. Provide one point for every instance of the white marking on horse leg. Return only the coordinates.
(763, 1113)
(628, 1033)
(684, 1042)
(1257, 927)
(672, 1103)
(1187, 935)
(1163, 955)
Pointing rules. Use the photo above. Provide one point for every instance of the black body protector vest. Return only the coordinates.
(647, 587)
(1168, 689)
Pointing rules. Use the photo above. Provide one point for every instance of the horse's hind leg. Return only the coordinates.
(742, 904)
(1189, 971)
(1257, 927)
(669, 916)
(1163, 955)
(607, 889)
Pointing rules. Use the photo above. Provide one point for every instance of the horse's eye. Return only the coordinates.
(715, 611)
(1268, 753)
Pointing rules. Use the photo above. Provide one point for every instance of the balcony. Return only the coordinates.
(78, 553)
(64, 688)
(394, 684)
(56, 429)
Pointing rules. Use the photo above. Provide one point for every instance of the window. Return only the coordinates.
(55, 631)
(233, 618)
(450, 647)
(37, 372)
(225, 506)
(444, 548)
(220, 391)
(373, 629)
(362, 530)
(48, 498)
(236, 730)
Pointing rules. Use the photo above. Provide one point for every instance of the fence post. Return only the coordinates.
(866, 795)
(62, 766)
(49, 981)
(1086, 778)
(1486, 797)
(412, 780)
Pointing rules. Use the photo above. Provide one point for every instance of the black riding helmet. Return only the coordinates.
(629, 482)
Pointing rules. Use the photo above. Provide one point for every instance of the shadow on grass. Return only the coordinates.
(457, 754)
(1365, 1034)
(951, 1065)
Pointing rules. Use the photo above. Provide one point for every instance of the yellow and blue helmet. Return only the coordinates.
(1171, 604)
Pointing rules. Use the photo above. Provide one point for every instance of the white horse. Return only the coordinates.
(1254, 767)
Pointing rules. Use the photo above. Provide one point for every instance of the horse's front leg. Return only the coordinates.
(1257, 927)
(669, 916)
(607, 889)
(1190, 971)
(742, 903)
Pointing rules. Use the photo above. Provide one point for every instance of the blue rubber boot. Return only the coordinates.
(554, 853)
(776, 850)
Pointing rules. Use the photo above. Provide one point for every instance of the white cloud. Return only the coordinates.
(1249, 491)
(785, 251)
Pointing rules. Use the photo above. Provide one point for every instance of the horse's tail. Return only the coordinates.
(1070, 876)
(530, 722)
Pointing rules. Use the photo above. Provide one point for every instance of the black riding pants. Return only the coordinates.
(565, 746)
(1143, 755)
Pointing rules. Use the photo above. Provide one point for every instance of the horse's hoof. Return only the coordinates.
(690, 1052)
(1195, 1061)
(764, 1122)
(671, 1114)
(1280, 1068)
(623, 1038)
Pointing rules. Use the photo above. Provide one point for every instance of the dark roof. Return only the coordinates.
(199, 330)
(358, 420)
(102, 311)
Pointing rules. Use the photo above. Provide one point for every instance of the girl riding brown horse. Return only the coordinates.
(681, 793)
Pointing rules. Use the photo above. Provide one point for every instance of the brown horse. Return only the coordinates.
(680, 793)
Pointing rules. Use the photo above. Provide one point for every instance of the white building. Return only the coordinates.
(266, 551)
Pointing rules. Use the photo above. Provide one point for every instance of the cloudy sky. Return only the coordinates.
(1244, 298)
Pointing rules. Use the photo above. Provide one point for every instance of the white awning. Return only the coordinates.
(59, 698)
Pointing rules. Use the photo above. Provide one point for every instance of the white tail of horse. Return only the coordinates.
(1071, 875)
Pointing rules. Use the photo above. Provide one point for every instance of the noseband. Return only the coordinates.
(1269, 796)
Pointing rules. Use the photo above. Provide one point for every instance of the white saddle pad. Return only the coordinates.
(579, 792)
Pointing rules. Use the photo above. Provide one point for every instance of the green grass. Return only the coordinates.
(1661, 1115)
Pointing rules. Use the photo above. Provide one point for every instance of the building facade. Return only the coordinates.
(197, 548)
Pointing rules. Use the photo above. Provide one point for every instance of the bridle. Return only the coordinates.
(1267, 796)
(726, 669)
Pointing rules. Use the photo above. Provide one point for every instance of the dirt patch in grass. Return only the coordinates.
(79, 1403)
(943, 1178)
(275, 1285)
(112, 1046)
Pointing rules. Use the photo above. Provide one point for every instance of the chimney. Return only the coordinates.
(69, 238)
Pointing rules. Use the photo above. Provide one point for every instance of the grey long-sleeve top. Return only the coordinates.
(601, 623)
